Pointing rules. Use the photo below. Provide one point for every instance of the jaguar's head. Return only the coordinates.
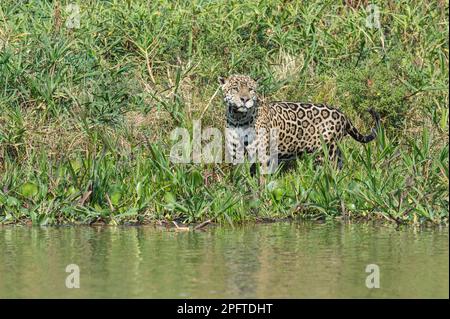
(239, 92)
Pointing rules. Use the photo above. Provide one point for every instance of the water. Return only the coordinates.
(282, 260)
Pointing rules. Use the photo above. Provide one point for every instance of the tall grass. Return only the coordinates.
(85, 113)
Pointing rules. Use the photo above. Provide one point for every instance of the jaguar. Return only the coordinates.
(300, 127)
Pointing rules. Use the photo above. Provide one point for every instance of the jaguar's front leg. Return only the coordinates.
(267, 153)
(264, 167)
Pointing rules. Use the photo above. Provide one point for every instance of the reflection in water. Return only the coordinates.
(283, 260)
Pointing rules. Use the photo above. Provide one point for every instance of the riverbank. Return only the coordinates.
(379, 181)
(86, 110)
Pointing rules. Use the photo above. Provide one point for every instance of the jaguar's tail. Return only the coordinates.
(353, 132)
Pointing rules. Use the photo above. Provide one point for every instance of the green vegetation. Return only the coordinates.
(86, 113)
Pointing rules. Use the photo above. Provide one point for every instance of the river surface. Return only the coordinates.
(280, 260)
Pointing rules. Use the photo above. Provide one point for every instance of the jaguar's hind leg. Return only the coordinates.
(318, 161)
(335, 155)
(339, 158)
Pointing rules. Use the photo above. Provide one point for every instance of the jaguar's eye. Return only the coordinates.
(234, 91)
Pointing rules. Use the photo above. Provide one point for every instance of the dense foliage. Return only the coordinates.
(86, 111)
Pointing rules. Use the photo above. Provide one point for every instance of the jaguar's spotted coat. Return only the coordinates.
(301, 126)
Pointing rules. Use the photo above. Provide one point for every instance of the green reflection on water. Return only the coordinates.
(282, 260)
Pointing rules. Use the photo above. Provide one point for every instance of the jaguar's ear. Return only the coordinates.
(258, 79)
(222, 80)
